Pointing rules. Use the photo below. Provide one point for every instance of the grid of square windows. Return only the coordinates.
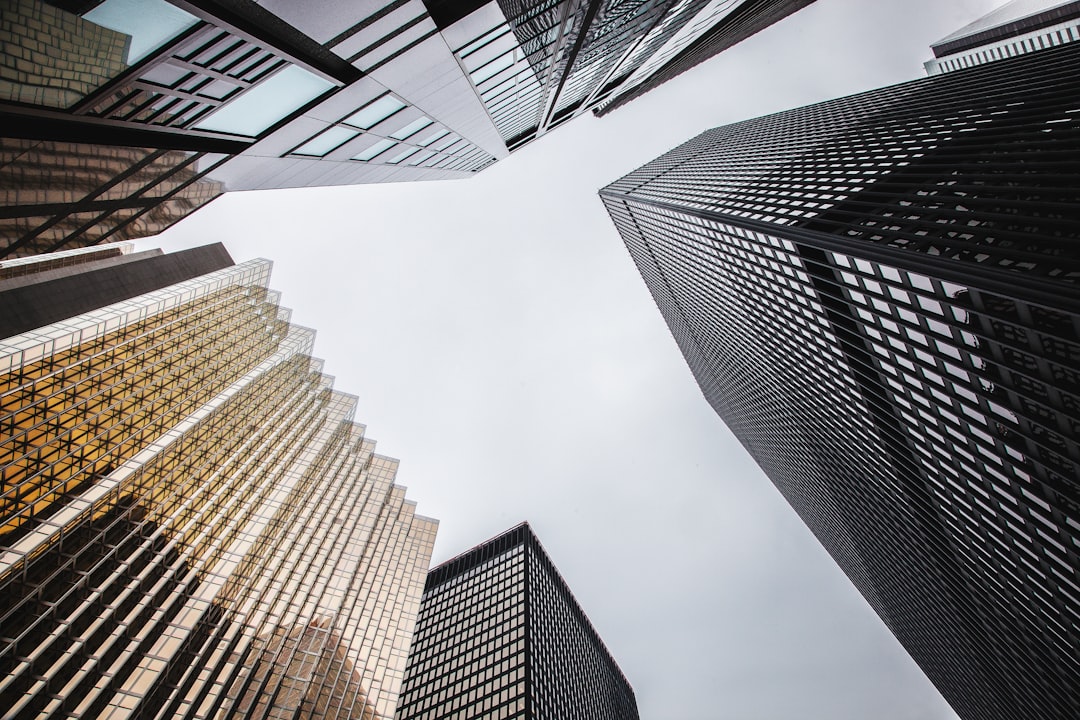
(877, 294)
(501, 636)
(168, 461)
(388, 131)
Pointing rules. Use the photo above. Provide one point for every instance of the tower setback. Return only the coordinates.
(191, 522)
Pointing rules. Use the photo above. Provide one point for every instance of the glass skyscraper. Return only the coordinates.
(500, 636)
(879, 296)
(192, 524)
(720, 26)
(120, 117)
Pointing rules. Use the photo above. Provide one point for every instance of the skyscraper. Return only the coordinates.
(722, 26)
(878, 294)
(501, 636)
(191, 523)
(119, 119)
(1015, 28)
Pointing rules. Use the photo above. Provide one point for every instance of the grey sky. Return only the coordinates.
(504, 347)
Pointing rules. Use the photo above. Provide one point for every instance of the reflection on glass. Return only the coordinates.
(327, 141)
(375, 113)
(493, 68)
(149, 23)
(376, 149)
(412, 128)
(54, 58)
(266, 103)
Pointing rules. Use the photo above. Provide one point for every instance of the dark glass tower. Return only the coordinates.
(118, 118)
(500, 636)
(880, 295)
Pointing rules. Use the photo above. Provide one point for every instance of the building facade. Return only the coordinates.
(722, 25)
(1015, 28)
(879, 295)
(501, 636)
(191, 524)
(119, 119)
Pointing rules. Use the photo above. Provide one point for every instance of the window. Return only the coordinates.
(376, 149)
(437, 135)
(97, 47)
(265, 104)
(374, 113)
(148, 23)
(412, 128)
(323, 143)
(403, 154)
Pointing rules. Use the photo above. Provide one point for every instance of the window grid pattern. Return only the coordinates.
(97, 55)
(551, 61)
(251, 551)
(571, 672)
(901, 413)
(404, 136)
(501, 636)
(18, 267)
(933, 166)
(746, 19)
(671, 38)
(506, 82)
(468, 655)
(390, 31)
(56, 193)
(913, 449)
(1059, 35)
(192, 91)
(617, 29)
(202, 72)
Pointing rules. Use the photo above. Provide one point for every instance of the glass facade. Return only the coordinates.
(191, 523)
(537, 65)
(720, 25)
(878, 294)
(500, 636)
(172, 105)
(53, 191)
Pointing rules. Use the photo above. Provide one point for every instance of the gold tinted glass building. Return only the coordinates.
(191, 523)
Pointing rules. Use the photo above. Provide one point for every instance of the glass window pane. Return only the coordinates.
(376, 149)
(412, 128)
(150, 23)
(63, 57)
(447, 142)
(327, 141)
(266, 103)
(421, 158)
(493, 68)
(403, 154)
(375, 113)
(438, 134)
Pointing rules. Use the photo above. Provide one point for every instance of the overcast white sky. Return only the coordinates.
(504, 347)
